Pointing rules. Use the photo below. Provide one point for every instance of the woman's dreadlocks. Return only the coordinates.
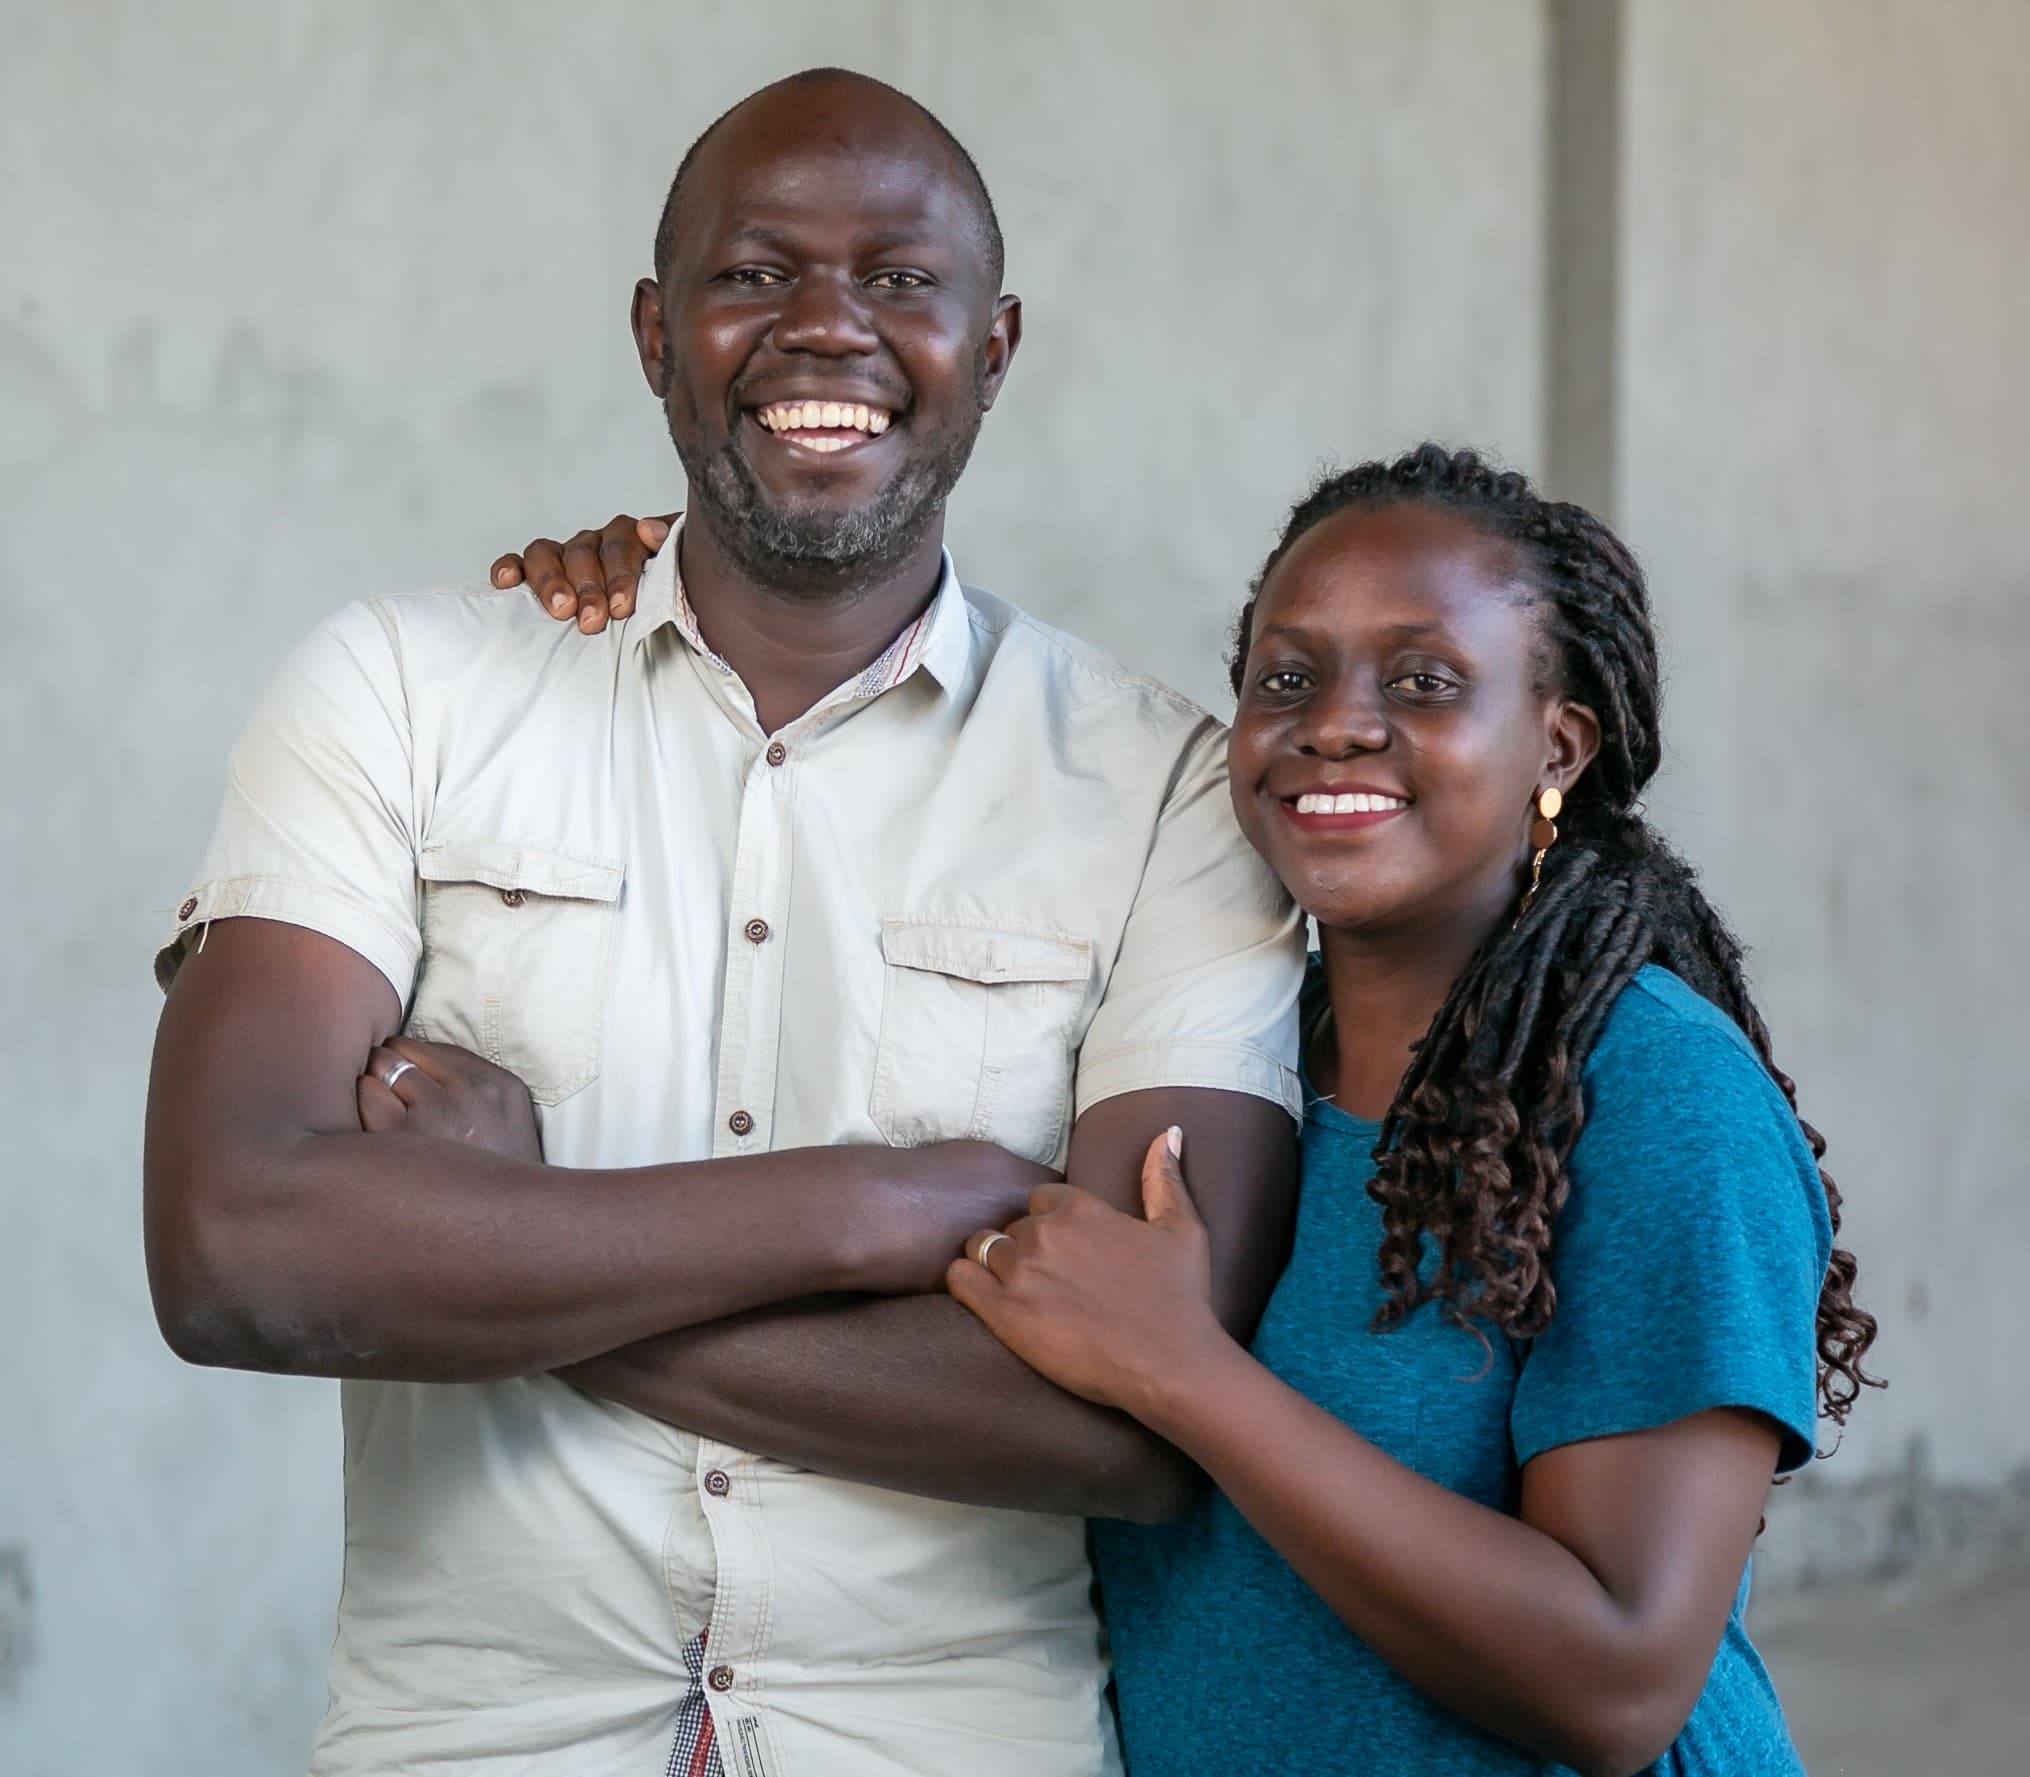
(1473, 1151)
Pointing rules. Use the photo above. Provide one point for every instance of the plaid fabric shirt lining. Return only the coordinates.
(694, 1752)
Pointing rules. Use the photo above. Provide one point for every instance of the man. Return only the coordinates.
(821, 906)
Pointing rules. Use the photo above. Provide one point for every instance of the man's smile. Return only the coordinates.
(822, 425)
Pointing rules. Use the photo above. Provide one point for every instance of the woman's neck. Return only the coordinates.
(1384, 989)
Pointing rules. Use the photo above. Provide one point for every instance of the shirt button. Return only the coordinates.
(776, 753)
(511, 897)
(720, 1678)
(187, 909)
(740, 1122)
(717, 1484)
(757, 931)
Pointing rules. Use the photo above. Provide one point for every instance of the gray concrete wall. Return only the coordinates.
(301, 302)
(1823, 436)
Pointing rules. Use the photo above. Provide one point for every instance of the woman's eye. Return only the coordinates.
(1425, 684)
(1282, 684)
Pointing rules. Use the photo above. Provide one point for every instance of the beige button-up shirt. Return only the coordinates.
(988, 883)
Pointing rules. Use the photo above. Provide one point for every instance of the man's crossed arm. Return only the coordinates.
(282, 1237)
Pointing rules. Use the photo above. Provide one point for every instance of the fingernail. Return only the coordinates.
(1175, 1137)
(559, 602)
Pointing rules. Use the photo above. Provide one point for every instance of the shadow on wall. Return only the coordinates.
(1906, 1526)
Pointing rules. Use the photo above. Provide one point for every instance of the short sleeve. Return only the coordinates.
(1689, 1255)
(1204, 988)
(317, 827)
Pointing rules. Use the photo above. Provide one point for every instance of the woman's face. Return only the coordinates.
(1396, 659)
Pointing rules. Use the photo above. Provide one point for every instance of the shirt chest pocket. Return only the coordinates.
(516, 943)
(979, 1031)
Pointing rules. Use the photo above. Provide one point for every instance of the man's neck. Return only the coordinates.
(792, 646)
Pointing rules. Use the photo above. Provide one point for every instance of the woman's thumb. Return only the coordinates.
(1164, 1196)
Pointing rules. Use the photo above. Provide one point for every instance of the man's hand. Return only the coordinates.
(591, 578)
(441, 1090)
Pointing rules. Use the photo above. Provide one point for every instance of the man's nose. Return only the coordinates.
(827, 314)
(1341, 721)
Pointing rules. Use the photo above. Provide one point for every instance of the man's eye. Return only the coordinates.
(900, 280)
(753, 276)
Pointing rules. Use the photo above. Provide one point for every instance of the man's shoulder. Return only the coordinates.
(1087, 677)
(475, 639)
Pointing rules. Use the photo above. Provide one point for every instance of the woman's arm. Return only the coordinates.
(1582, 1630)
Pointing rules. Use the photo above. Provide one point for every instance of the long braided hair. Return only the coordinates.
(1473, 1151)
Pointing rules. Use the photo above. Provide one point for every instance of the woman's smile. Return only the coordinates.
(1325, 809)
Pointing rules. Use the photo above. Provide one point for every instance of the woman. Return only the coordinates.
(1563, 1294)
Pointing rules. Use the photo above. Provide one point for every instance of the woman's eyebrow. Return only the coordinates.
(1398, 632)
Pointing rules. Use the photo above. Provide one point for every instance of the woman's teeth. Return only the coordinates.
(827, 416)
(1358, 802)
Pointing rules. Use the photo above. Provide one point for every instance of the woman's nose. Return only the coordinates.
(1339, 724)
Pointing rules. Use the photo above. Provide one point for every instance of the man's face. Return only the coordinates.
(825, 337)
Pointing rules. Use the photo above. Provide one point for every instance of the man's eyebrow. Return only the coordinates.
(881, 240)
(757, 234)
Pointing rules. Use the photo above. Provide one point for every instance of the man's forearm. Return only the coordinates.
(407, 1258)
(907, 1392)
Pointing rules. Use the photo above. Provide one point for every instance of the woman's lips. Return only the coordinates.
(1344, 811)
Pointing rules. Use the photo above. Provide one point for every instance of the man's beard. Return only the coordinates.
(813, 548)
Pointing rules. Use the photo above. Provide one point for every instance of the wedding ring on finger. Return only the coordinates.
(394, 1073)
(985, 1247)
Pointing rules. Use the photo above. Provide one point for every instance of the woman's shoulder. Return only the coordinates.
(1661, 1031)
(1673, 1085)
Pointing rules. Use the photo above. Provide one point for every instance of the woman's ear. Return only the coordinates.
(1574, 738)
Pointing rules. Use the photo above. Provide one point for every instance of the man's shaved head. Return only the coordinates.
(987, 225)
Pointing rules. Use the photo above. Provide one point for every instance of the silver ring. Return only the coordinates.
(394, 1073)
(987, 1246)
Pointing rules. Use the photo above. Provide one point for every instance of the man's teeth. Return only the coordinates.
(1359, 802)
(829, 416)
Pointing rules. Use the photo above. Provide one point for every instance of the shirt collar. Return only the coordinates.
(938, 640)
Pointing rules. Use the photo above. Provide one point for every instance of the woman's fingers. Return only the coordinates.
(1165, 1196)
(587, 580)
(622, 556)
(542, 570)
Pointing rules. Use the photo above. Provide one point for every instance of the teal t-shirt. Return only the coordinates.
(1688, 1260)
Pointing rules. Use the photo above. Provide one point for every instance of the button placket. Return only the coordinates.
(751, 1004)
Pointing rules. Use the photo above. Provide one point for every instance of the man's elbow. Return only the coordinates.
(1154, 1483)
(206, 1283)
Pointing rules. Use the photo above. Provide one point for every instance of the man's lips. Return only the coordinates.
(823, 425)
(1335, 809)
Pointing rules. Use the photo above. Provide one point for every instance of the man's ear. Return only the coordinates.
(646, 317)
(1004, 334)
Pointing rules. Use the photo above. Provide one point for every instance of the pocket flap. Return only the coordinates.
(984, 953)
(535, 869)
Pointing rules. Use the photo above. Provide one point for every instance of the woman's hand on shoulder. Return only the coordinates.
(1108, 1306)
(593, 577)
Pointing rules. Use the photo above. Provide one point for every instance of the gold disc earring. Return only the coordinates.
(1543, 835)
